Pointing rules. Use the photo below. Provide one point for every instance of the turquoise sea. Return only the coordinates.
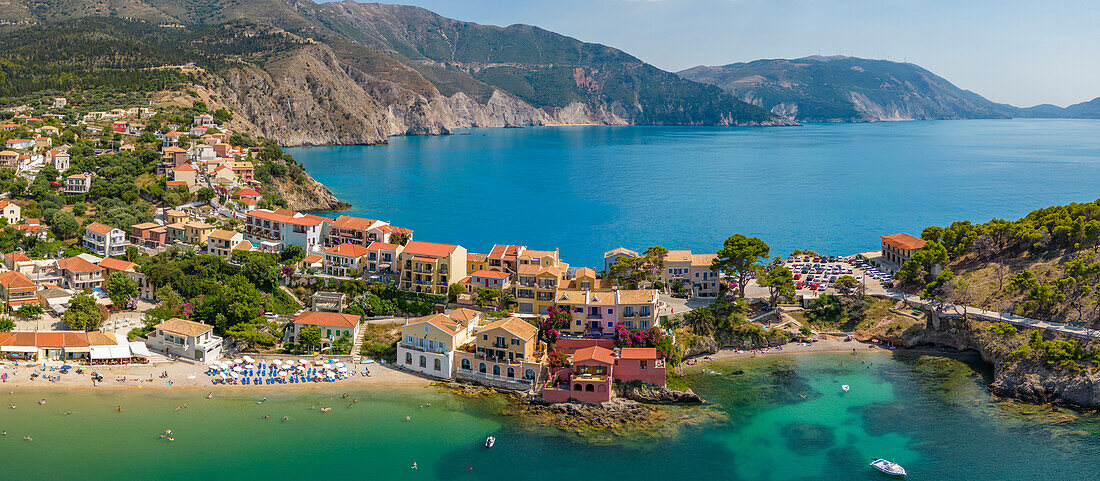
(931, 414)
(830, 187)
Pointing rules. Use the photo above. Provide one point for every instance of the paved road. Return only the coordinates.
(952, 310)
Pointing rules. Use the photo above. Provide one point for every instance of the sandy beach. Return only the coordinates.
(182, 375)
(821, 346)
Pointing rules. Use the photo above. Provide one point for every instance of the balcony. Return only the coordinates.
(413, 347)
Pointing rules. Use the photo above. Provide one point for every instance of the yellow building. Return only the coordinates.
(191, 232)
(505, 353)
(535, 288)
(428, 344)
(431, 268)
(477, 262)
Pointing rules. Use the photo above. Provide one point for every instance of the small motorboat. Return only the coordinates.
(845, 387)
(888, 467)
(489, 442)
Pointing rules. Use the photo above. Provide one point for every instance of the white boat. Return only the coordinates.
(490, 441)
(844, 387)
(888, 467)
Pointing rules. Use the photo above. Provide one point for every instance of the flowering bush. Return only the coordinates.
(558, 359)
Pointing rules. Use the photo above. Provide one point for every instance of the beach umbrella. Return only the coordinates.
(303, 361)
(248, 359)
(277, 362)
(339, 364)
(222, 374)
(234, 375)
(327, 367)
(238, 360)
(237, 368)
(343, 369)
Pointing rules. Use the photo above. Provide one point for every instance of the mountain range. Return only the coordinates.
(849, 89)
(346, 72)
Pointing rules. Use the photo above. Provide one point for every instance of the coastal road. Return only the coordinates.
(953, 310)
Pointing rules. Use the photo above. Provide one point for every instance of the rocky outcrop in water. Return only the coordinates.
(1018, 373)
(651, 394)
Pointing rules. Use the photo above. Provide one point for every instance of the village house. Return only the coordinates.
(59, 159)
(9, 158)
(105, 240)
(77, 184)
(189, 232)
(187, 339)
(280, 228)
(32, 227)
(220, 242)
(505, 353)
(186, 174)
(486, 279)
(692, 271)
(428, 344)
(79, 274)
(17, 289)
(597, 312)
(477, 262)
(504, 258)
(382, 257)
(148, 234)
(345, 260)
(595, 366)
(10, 212)
(611, 256)
(203, 120)
(243, 170)
(19, 144)
(430, 268)
(346, 229)
(535, 288)
(333, 326)
(899, 248)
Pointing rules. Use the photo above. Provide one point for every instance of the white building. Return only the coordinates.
(428, 343)
(105, 240)
(188, 339)
(282, 228)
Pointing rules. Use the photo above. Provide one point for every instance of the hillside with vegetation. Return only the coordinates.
(847, 89)
(333, 73)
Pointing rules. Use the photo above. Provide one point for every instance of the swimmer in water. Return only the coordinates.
(408, 418)
(285, 418)
(414, 465)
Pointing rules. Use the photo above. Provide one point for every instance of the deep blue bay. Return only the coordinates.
(829, 187)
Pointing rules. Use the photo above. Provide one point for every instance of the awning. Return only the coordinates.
(111, 352)
(139, 349)
(18, 349)
(77, 348)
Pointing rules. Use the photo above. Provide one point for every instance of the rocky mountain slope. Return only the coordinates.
(346, 73)
(847, 89)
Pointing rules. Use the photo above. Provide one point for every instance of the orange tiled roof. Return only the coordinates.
(903, 241)
(421, 248)
(593, 353)
(327, 319)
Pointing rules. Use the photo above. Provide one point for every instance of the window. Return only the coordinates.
(481, 368)
(408, 358)
(642, 364)
(589, 388)
(610, 324)
(439, 365)
(628, 311)
(643, 311)
(496, 370)
(500, 341)
(610, 311)
(484, 337)
(576, 387)
(529, 374)
(466, 364)
(423, 361)
(578, 322)
(515, 342)
(511, 372)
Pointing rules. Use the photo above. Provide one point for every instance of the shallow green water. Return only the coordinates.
(931, 414)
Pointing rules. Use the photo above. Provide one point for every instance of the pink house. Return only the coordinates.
(148, 234)
(588, 379)
(640, 364)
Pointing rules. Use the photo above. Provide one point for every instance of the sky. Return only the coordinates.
(1018, 52)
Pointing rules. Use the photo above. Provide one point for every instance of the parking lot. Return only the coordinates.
(818, 275)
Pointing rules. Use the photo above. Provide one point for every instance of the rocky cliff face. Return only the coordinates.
(308, 97)
(1026, 378)
(847, 89)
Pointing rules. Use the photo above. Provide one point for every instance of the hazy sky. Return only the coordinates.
(1019, 52)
